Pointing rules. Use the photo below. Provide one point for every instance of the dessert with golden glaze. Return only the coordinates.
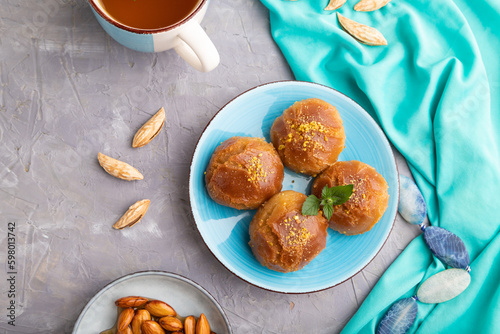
(281, 238)
(244, 172)
(309, 136)
(367, 203)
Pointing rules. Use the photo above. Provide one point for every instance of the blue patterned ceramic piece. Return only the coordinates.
(443, 286)
(399, 317)
(225, 230)
(447, 247)
(411, 202)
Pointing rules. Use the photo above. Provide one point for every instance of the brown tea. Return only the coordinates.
(149, 14)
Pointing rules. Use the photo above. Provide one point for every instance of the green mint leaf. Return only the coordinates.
(338, 195)
(328, 211)
(330, 196)
(324, 192)
(311, 206)
(327, 191)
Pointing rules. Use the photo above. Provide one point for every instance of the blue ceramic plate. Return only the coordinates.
(225, 230)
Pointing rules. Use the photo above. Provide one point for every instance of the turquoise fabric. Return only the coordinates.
(435, 90)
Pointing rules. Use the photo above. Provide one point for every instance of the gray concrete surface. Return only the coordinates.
(68, 91)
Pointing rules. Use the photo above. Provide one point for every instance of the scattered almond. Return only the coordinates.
(133, 215)
(335, 4)
(361, 32)
(171, 324)
(158, 308)
(370, 5)
(151, 327)
(190, 325)
(202, 326)
(125, 318)
(119, 169)
(131, 301)
(150, 129)
(140, 317)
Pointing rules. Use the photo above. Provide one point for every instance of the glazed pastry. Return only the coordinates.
(367, 203)
(281, 238)
(309, 136)
(244, 172)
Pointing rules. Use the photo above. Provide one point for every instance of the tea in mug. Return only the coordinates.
(149, 14)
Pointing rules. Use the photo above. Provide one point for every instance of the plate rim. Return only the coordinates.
(384, 138)
(146, 273)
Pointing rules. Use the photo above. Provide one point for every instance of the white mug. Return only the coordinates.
(186, 37)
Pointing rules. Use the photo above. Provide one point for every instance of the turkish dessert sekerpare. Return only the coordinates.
(281, 238)
(244, 172)
(367, 203)
(309, 136)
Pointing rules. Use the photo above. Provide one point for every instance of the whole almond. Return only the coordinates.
(133, 215)
(140, 317)
(171, 324)
(119, 169)
(159, 308)
(202, 326)
(370, 5)
(190, 325)
(335, 4)
(150, 129)
(362, 33)
(127, 330)
(131, 301)
(125, 318)
(151, 327)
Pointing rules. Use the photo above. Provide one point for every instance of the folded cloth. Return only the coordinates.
(435, 91)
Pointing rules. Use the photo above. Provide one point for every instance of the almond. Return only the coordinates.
(170, 324)
(125, 318)
(140, 317)
(361, 32)
(133, 215)
(202, 326)
(131, 301)
(151, 327)
(150, 129)
(119, 169)
(190, 325)
(370, 5)
(127, 330)
(335, 4)
(158, 308)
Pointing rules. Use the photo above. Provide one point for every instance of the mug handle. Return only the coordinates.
(196, 48)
